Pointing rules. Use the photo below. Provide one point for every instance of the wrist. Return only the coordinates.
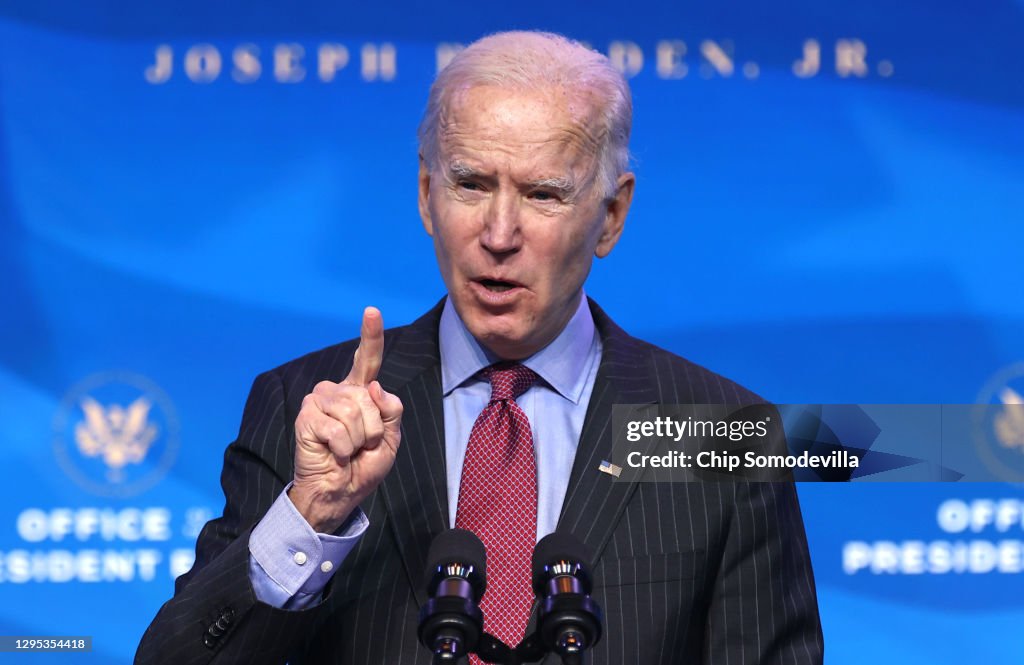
(322, 511)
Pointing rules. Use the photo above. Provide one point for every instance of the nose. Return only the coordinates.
(501, 232)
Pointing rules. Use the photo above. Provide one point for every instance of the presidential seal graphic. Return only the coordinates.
(116, 434)
(999, 423)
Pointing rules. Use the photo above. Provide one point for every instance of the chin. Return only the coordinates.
(501, 342)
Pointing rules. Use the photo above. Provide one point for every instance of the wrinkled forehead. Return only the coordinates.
(554, 119)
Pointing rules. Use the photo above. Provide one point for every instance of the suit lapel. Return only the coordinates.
(415, 492)
(594, 501)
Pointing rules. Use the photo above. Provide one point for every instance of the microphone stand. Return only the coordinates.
(531, 650)
(492, 650)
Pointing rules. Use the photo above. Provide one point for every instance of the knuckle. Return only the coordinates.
(348, 410)
(341, 445)
(374, 427)
(306, 429)
(366, 400)
(323, 387)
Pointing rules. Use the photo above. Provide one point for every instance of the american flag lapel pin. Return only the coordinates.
(609, 468)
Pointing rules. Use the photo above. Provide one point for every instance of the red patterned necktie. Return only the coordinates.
(498, 501)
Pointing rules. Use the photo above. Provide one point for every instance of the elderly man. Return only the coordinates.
(491, 412)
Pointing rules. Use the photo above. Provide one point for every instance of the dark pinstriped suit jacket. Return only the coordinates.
(685, 572)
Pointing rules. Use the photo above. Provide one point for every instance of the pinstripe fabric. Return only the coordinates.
(686, 572)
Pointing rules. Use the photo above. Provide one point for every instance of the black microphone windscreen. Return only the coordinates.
(457, 546)
(558, 546)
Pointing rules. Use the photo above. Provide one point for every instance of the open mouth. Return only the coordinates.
(497, 285)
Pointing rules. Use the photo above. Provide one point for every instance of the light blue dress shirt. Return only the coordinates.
(555, 405)
(290, 564)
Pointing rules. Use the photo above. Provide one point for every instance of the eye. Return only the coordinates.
(469, 185)
(541, 195)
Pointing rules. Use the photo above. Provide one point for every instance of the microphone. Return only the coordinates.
(569, 619)
(456, 577)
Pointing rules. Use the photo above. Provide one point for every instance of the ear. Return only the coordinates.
(424, 196)
(615, 215)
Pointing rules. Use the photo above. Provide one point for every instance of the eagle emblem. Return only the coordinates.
(118, 435)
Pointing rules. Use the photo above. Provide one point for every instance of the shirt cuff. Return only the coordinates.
(290, 563)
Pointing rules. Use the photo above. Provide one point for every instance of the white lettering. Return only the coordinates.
(809, 65)
(246, 59)
(953, 516)
(181, 561)
(129, 524)
(203, 63)
(850, 55)
(1009, 514)
(378, 63)
(626, 57)
(914, 557)
(160, 70)
(856, 556)
(330, 58)
(716, 56)
(288, 63)
(983, 513)
(32, 525)
(444, 54)
(669, 60)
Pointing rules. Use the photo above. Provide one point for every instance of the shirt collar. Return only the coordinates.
(562, 363)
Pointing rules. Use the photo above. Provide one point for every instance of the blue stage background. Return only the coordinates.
(193, 193)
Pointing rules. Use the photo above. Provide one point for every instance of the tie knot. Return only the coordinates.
(508, 380)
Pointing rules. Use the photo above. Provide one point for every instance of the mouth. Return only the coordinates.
(498, 285)
(494, 292)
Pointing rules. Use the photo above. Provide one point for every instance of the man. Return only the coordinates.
(490, 412)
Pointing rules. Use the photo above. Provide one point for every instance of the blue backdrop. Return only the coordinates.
(829, 209)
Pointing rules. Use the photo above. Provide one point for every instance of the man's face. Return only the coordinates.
(517, 211)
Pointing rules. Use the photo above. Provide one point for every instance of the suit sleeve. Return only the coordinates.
(214, 616)
(764, 608)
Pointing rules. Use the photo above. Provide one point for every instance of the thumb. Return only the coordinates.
(389, 405)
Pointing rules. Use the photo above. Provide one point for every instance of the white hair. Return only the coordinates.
(521, 60)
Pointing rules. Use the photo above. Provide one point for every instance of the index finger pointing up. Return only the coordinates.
(366, 362)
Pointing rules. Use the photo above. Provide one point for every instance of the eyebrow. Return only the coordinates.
(564, 185)
(460, 170)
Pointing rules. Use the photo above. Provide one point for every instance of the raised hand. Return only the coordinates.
(346, 436)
